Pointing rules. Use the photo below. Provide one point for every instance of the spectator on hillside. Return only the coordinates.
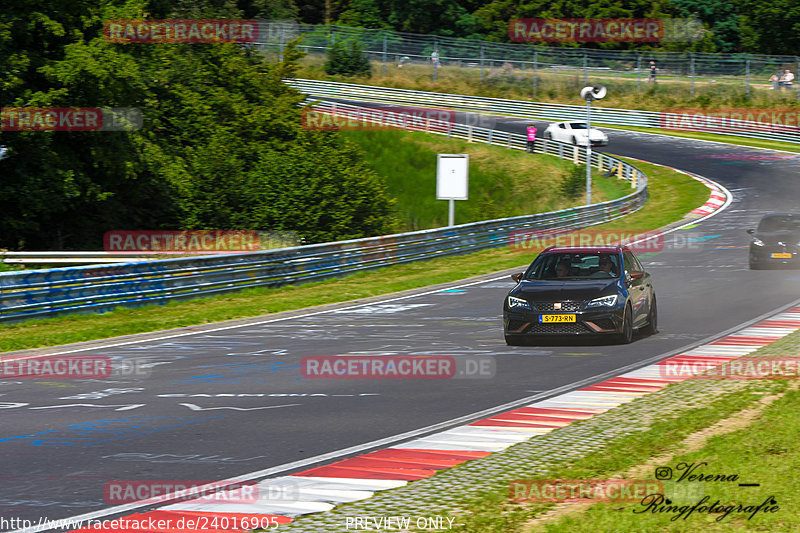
(774, 79)
(531, 147)
(651, 78)
(787, 79)
(435, 58)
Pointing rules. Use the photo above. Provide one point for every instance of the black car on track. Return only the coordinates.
(576, 291)
(776, 241)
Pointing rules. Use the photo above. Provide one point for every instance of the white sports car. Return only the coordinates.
(574, 133)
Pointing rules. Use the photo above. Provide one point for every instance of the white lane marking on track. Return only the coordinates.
(195, 407)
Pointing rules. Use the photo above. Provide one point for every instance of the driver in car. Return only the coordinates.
(606, 267)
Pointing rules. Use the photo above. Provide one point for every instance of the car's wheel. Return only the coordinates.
(548, 135)
(626, 335)
(574, 140)
(514, 341)
(652, 319)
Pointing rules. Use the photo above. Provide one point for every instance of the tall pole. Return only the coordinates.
(384, 54)
(481, 63)
(798, 78)
(451, 213)
(536, 71)
(585, 73)
(588, 151)
(436, 60)
(747, 76)
(638, 71)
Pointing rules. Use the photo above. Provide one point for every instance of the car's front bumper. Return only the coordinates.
(761, 256)
(599, 321)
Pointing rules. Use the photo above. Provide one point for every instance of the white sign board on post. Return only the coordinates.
(452, 180)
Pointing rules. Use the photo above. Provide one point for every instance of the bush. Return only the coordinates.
(573, 184)
(347, 58)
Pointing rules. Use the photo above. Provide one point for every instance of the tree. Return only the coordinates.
(770, 28)
(219, 127)
(347, 58)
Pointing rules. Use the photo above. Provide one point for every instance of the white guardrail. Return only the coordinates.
(677, 122)
(41, 293)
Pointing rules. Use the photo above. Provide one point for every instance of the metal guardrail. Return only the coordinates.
(41, 293)
(72, 258)
(87, 258)
(544, 111)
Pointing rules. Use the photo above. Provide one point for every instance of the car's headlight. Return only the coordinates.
(758, 242)
(605, 301)
(518, 303)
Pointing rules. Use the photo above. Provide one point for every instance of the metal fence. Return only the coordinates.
(41, 293)
(535, 65)
(550, 112)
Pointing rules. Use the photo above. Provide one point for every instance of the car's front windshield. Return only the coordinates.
(574, 267)
(779, 223)
(577, 125)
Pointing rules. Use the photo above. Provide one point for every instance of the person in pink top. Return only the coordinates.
(531, 139)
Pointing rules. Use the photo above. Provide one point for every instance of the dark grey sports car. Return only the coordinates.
(776, 241)
(572, 291)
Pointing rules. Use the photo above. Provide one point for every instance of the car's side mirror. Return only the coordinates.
(637, 274)
(751, 231)
(517, 277)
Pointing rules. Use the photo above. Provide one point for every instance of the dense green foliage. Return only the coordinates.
(754, 26)
(347, 58)
(222, 145)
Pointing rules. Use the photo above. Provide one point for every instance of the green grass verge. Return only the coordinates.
(764, 452)
(502, 182)
(672, 195)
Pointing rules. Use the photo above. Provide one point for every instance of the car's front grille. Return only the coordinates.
(564, 329)
(565, 306)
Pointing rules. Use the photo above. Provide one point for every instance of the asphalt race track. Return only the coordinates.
(219, 404)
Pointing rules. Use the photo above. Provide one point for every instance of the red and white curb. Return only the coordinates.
(716, 200)
(322, 488)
